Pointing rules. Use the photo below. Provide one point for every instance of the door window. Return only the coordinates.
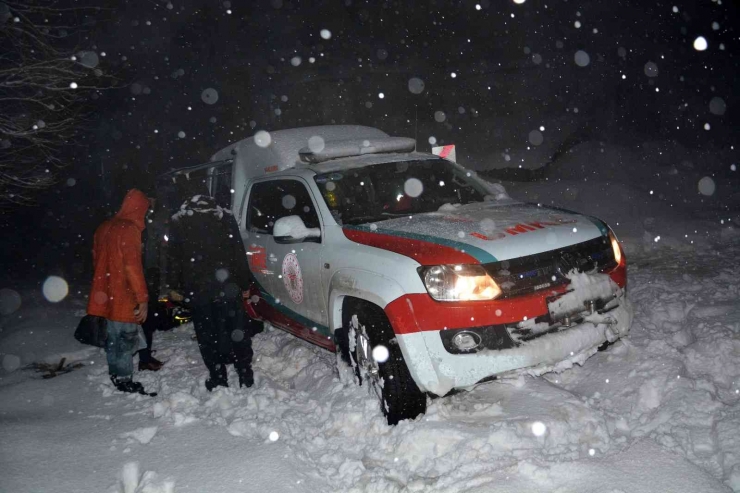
(271, 200)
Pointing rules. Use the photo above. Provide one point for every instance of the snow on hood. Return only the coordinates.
(134, 207)
(494, 231)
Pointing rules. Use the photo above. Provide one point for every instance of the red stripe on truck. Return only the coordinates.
(424, 252)
(419, 312)
(259, 309)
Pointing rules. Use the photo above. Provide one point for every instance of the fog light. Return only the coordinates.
(466, 341)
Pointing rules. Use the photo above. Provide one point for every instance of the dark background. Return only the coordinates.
(514, 71)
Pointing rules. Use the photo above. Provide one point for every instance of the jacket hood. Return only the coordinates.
(134, 208)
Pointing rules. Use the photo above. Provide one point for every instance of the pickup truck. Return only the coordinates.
(421, 276)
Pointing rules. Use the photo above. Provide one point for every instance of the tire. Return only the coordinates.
(399, 396)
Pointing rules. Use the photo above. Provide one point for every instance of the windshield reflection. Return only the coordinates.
(384, 191)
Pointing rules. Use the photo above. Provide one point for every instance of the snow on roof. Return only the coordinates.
(333, 149)
(368, 160)
(268, 152)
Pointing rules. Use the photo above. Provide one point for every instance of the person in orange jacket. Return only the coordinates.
(119, 291)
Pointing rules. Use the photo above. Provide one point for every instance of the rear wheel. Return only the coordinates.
(365, 328)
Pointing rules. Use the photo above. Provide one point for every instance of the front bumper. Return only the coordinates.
(438, 371)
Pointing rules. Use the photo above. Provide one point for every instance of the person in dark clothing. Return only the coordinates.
(208, 267)
(157, 320)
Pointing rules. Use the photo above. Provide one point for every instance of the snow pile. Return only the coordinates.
(583, 288)
(676, 379)
(522, 427)
(132, 481)
(141, 435)
(623, 421)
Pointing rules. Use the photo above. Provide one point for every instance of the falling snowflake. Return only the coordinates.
(262, 138)
(707, 186)
(416, 85)
(380, 354)
(55, 289)
(538, 428)
(582, 59)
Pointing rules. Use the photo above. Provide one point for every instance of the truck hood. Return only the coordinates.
(479, 233)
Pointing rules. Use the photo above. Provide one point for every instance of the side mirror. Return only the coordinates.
(291, 229)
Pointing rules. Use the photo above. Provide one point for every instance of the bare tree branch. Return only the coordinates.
(45, 85)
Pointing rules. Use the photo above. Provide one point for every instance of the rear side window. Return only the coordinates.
(271, 200)
(219, 184)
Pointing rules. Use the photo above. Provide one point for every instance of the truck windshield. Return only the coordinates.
(384, 191)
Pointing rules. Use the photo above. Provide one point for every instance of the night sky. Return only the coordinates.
(195, 75)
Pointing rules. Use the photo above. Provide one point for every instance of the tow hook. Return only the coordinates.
(591, 306)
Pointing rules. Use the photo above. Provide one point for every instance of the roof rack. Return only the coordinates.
(334, 149)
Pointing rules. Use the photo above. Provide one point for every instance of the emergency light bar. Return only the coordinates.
(334, 149)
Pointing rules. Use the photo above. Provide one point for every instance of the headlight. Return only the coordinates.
(459, 283)
(615, 247)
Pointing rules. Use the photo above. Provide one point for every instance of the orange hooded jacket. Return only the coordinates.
(118, 284)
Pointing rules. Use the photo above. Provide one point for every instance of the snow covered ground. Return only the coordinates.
(656, 412)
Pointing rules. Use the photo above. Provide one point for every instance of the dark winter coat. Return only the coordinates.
(118, 281)
(206, 257)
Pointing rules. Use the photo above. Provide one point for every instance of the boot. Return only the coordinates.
(217, 378)
(151, 364)
(246, 378)
(212, 383)
(130, 387)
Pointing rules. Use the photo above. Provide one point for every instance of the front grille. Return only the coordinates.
(543, 270)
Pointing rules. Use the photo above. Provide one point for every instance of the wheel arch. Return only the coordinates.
(363, 285)
(400, 395)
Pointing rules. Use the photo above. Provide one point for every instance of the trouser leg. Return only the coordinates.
(119, 348)
(243, 361)
(240, 338)
(205, 321)
(149, 327)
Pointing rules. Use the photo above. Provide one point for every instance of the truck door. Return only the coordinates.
(290, 273)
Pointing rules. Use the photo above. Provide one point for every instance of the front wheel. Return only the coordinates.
(369, 345)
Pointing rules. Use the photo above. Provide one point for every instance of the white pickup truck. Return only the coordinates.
(423, 277)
